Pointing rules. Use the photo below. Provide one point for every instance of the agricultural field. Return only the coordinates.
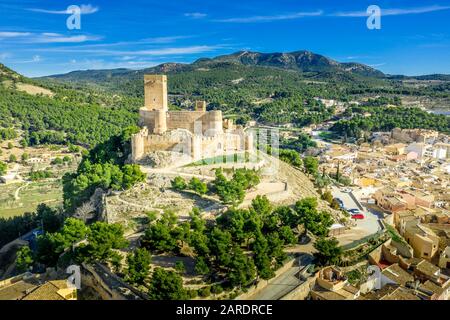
(18, 198)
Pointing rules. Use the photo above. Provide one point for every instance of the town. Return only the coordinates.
(383, 203)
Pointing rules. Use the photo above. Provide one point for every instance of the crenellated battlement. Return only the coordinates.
(200, 131)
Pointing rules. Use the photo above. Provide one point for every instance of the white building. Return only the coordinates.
(422, 149)
(441, 151)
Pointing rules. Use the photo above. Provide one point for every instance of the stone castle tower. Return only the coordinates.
(199, 132)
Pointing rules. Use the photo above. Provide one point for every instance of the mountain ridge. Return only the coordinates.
(301, 61)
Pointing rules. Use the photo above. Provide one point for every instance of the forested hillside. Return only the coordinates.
(84, 117)
(88, 107)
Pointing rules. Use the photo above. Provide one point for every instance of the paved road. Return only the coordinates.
(284, 283)
(369, 225)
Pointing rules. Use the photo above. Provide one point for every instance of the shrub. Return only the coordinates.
(217, 289)
(205, 292)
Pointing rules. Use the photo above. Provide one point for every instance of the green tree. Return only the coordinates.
(3, 168)
(229, 192)
(287, 216)
(262, 258)
(328, 251)
(74, 230)
(160, 236)
(261, 205)
(132, 174)
(48, 218)
(24, 259)
(104, 237)
(198, 186)
(179, 267)
(179, 183)
(57, 161)
(201, 267)
(316, 222)
(291, 156)
(138, 266)
(246, 178)
(166, 285)
(241, 269)
(12, 158)
(311, 165)
(276, 248)
(25, 156)
(327, 196)
(219, 246)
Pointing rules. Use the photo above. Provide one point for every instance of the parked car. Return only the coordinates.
(358, 216)
(354, 211)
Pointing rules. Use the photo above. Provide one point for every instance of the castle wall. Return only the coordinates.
(153, 143)
(185, 120)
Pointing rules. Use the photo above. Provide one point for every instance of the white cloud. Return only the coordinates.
(84, 9)
(45, 37)
(393, 12)
(34, 59)
(195, 15)
(13, 34)
(102, 64)
(58, 38)
(377, 65)
(289, 16)
(172, 51)
(160, 40)
(126, 58)
(130, 53)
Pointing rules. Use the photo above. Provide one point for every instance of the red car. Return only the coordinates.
(358, 216)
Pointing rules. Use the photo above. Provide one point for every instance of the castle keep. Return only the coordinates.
(198, 133)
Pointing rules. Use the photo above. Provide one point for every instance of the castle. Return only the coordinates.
(197, 133)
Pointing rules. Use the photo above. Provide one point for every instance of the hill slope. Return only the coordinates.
(306, 62)
(302, 61)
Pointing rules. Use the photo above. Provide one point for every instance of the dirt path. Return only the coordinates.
(16, 193)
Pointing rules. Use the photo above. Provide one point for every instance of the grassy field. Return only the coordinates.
(30, 195)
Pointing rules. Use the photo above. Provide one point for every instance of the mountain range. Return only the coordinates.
(300, 61)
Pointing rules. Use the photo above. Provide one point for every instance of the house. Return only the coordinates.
(53, 290)
(414, 198)
(423, 240)
(421, 149)
(388, 200)
(434, 292)
(331, 284)
(28, 286)
(425, 270)
(389, 253)
(390, 292)
(395, 149)
(444, 258)
(441, 151)
(394, 274)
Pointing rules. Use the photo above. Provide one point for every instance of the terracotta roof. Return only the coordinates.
(17, 290)
(397, 274)
(48, 291)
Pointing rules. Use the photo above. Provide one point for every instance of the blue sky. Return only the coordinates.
(34, 40)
